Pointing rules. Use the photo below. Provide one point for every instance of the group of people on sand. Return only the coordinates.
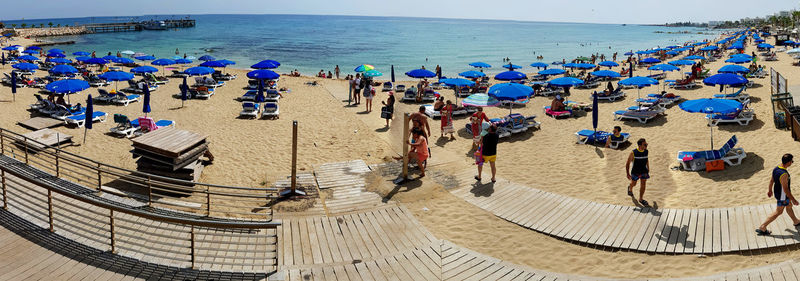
(330, 75)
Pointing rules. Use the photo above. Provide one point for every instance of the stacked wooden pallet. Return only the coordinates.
(171, 153)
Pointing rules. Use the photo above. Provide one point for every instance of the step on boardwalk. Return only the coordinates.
(673, 231)
(347, 183)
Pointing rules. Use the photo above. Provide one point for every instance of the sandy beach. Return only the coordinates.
(257, 152)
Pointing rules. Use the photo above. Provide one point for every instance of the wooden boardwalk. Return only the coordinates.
(673, 231)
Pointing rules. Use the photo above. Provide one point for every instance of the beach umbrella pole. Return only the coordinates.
(292, 190)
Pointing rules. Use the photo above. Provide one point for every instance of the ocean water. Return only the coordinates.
(311, 43)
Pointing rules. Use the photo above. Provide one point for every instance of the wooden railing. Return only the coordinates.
(201, 198)
(112, 223)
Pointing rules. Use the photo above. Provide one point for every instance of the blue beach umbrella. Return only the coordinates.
(605, 73)
(457, 84)
(145, 58)
(145, 69)
(738, 60)
(552, 71)
(765, 46)
(59, 60)
(480, 100)
(566, 82)
(539, 65)
(608, 64)
(183, 61)
(726, 79)
(27, 58)
(709, 48)
(628, 53)
(711, 106)
(420, 73)
(663, 67)
(372, 73)
(97, 61)
(82, 59)
(672, 53)
(510, 92)
(146, 104)
(733, 68)
(570, 65)
(694, 57)
(116, 76)
(213, 63)
(741, 56)
(56, 55)
(207, 58)
(63, 69)
(162, 62)
(639, 82)
(108, 58)
(81, 54)
(266, 64)
(263, 74)
(681, 62)
(11, 48)
(479, 64)
(67, 86)
(585, 66)
(227, 62)
(510, 76)
(30, 51)
(650, 60)
(55, 51)
(121, 60)
(89, 116)
(34, 48)
(512, 66)
(472, 74)
(199, 71)
(24, 66)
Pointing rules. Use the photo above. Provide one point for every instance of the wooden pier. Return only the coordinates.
(135, 26)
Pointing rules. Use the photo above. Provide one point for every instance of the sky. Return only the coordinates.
(588, 11)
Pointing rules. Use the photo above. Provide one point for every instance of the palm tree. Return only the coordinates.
(41, 25)
(24, 25)
(14, 25)
(50, 24)
(58, 25)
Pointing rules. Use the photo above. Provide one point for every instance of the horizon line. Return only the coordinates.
(343, 15)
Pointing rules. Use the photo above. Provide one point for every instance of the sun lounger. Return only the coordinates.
(153, 79)
(617, 94)
(249, 109)
(666, 99)
(550, 91)
(687, 83)
(511, 124)
(695, 160)
(742, 117)
(659, 76)
(147, 124)
(201, 93)
(80, 120)
(599, 137)
(134, 87)
(771, 58)
(218, 75)
(124, 126)
(95, 81)
(124, 99)
(40, 102)
(457, 112)
(63, 112)
(179, 74)
(436, 85)
(738, 95)
(556, 114)
(652, 104)
(48, 108)
(103, 96)
(400, 88)
(207, 82)
(271, 110)
(387, 86)
(641, 116)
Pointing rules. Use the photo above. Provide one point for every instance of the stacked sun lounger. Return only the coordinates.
(171, 153)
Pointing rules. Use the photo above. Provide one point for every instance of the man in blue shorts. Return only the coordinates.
(779, 185)
(640, 171)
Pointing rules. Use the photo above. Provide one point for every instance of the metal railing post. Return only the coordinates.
(2, 142)
(50, 209)
(149, 192)
(58, 171)
(208, 201)
(5, 197)
(26, 149)
(113, 238)
(99, 178)
(192, 240)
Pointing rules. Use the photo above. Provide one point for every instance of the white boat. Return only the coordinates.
(154, 25)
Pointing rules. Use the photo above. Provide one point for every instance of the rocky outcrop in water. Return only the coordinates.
(51, 31)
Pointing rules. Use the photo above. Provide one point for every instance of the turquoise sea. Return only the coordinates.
(310, 43)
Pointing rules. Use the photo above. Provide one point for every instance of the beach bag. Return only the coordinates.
(479, 156)
(715, 165)
(386, 113)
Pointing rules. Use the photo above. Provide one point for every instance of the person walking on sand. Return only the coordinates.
(336, 71)
(447, 119)
(420, 120)
(388, 108)
(489, 150)
(640, 171)
(369, 93)
(357, 89)
(779, 185)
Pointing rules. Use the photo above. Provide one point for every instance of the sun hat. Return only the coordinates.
(485, 128)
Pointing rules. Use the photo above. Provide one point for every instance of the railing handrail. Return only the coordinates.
(140, 175)
(145, 214)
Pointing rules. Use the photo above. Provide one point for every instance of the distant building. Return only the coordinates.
(783, 14)
(715, 23)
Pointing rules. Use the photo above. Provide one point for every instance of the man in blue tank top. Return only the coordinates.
(780, 186)
(640, 171)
